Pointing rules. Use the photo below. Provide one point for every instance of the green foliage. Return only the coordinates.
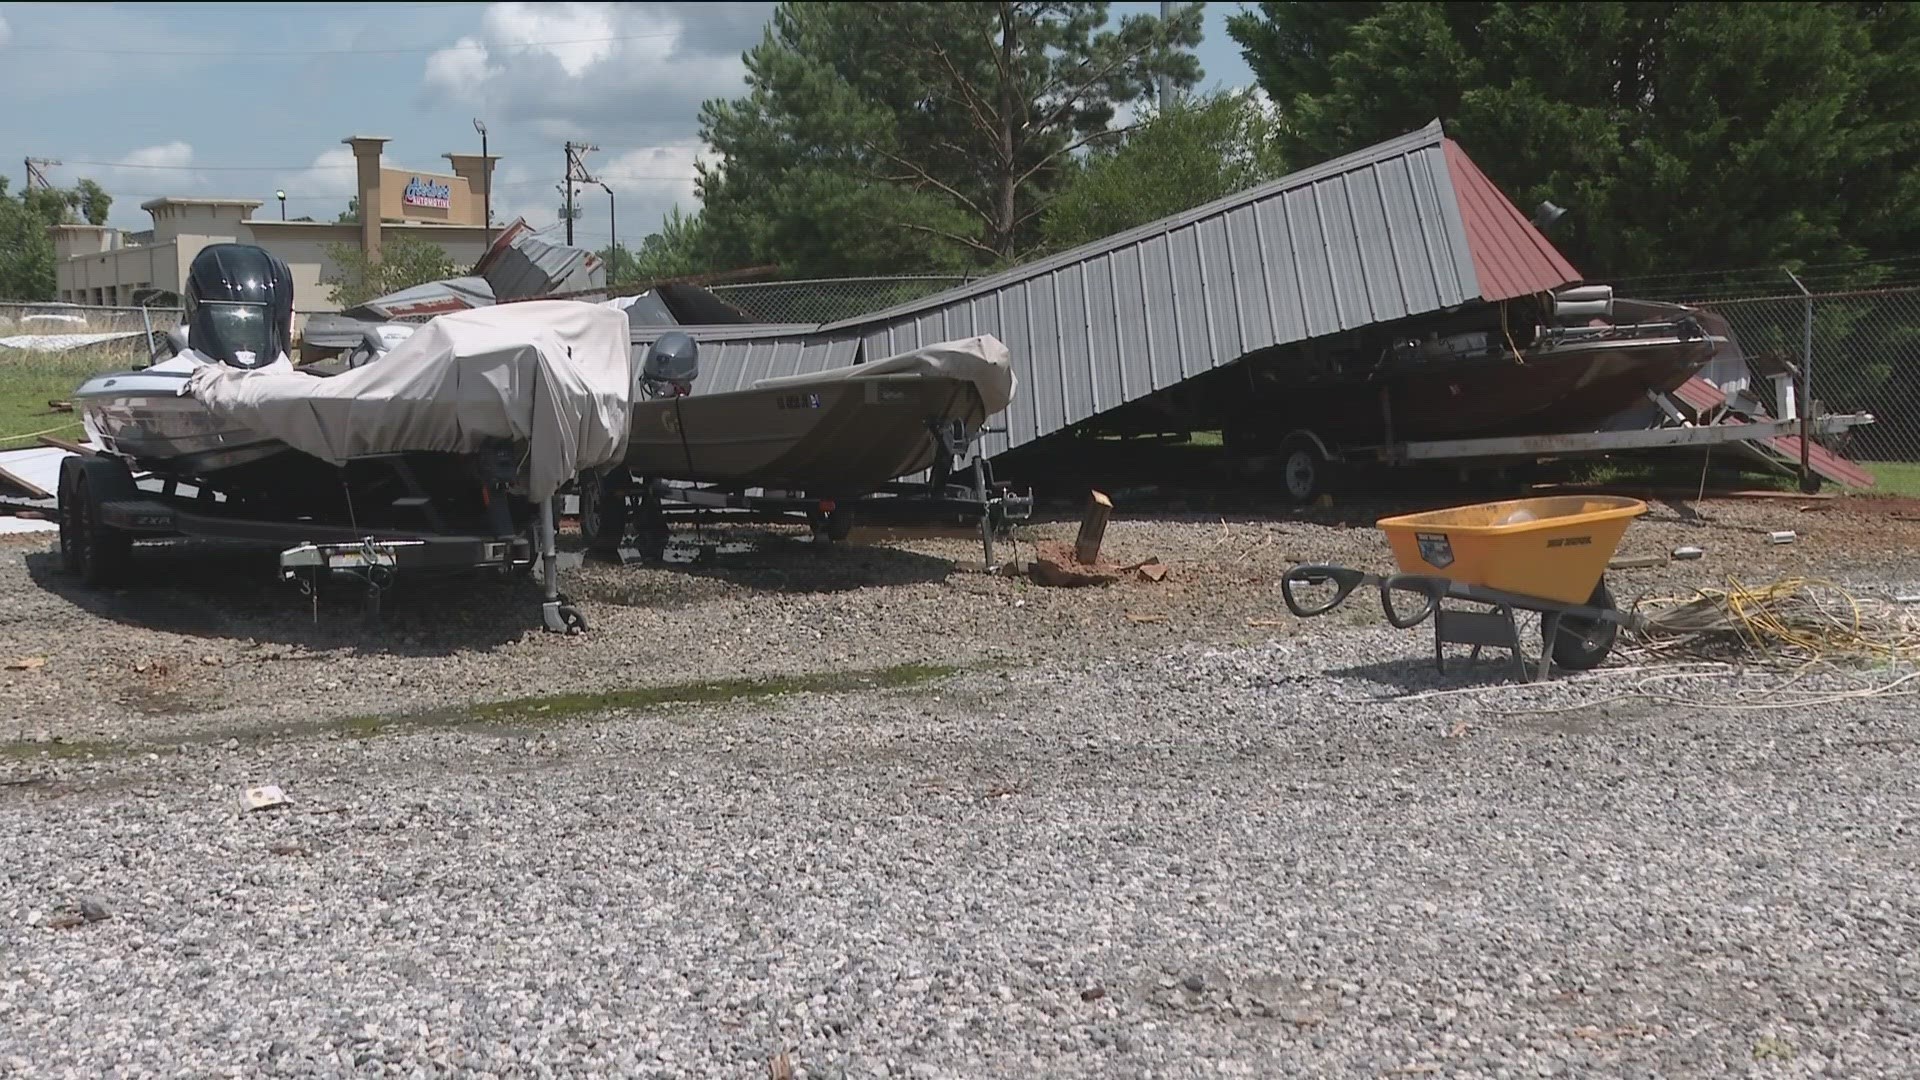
(26, 251)
(679, 249)
(1682, 136)
(1192, 153)
(403, 263)
(351, 215)
(885, 138)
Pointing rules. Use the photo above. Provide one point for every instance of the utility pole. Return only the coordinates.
(576, 174)
(34, 165)
(486, 184)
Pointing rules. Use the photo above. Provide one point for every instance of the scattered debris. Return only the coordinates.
(1093, 529)
(1688, 551)
(90, 909)
(1266, 622)
(1908, 598)
(1784, 536)
(27, 487)
(94, 909)
(1151, 570)
(1415, 1068)
(210, 660)
(1793, 621)
(780, 1066)
(265, 797)
(1636, 562)
(287, 849)
(27, 663)
(60, 406)
(1134, 617)
(1093, 993)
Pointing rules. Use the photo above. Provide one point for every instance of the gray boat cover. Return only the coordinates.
(981, 360)
(552, 374)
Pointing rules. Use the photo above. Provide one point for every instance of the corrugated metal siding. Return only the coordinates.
(1378, 235)
(1510, 256)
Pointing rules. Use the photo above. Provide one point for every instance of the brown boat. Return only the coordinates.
(1481, 382)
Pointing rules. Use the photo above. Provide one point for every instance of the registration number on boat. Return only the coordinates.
(797, 401)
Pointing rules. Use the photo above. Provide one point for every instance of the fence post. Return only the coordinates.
(1808, 483)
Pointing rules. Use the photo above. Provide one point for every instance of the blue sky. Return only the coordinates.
(243, 99)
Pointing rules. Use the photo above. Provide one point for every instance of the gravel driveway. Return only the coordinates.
(1146, 830)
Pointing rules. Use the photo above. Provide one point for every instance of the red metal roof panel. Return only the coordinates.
(1510, 256)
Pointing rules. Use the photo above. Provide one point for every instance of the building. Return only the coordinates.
(96, 264)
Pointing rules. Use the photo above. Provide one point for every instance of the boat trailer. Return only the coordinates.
(631, 514)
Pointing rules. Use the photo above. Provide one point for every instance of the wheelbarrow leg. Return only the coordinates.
(1549, 630)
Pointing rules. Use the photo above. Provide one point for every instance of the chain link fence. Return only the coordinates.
(55, 327)
(1861, 348)
(830, 299)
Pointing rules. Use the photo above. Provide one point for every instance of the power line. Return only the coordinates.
(412, 49)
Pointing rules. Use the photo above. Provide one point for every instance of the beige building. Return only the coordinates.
(95, 264)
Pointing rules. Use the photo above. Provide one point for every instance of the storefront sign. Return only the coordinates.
(427, 193)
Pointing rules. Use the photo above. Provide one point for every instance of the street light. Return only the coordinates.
(613, 237)
(486, 182)
(282, 196)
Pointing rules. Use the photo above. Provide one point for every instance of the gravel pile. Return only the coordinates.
(1258, 860)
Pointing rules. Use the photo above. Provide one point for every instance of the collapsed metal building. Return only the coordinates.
(1405, 228)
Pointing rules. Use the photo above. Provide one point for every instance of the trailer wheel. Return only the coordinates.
(1583, 644)
(603, 507)
(1305, 472)
(99, 553)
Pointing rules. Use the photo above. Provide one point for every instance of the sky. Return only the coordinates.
(205, 99)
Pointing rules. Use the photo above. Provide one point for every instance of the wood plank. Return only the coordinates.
(64, 444)
(32, 490)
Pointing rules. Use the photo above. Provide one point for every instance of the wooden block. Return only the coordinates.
(1093, 529)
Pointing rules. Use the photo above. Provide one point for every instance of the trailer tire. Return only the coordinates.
(99, 553)
(1583, 644)
(1305, 472)
(603, 507)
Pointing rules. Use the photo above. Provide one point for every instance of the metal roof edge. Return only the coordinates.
(728, 331)
(1430, 135)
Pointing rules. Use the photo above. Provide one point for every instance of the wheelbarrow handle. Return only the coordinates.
(1429, 587)
(1346, 579)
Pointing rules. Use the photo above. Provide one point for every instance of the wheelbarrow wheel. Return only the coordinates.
(1583, 644)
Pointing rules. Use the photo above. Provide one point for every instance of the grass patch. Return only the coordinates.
(552, 708)
(1892, 478)
(29, 380)
(522, 712)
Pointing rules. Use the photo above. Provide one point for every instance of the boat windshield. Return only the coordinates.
(238, 334)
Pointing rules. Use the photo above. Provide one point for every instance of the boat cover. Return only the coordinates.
(553, 374)
(981, 360)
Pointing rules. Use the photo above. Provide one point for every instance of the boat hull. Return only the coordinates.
(1548, 392)
(842, 437)
(142, 416)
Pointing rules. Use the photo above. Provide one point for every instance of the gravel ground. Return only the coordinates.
(1170, 845)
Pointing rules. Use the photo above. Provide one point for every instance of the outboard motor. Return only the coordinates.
(671, 366)
(239, 301)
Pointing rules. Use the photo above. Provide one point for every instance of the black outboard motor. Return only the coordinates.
(239, 302)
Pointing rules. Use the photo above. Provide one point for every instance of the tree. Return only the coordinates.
(351, 215)
(1192, 153)
(677, 250)
(26, 251)
(920, 136)
(1681, 135)
(403, 263)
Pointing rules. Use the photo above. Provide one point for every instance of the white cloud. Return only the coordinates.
(465, 64)
(622, 75)
(6, 32)
(173, 155)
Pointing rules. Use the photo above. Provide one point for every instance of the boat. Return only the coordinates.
(1569, 365)
(842, 432)
(464, 432)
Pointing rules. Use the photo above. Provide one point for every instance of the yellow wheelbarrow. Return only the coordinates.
(1545, 555)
